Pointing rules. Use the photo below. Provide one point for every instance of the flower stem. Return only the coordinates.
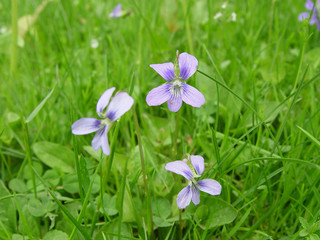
(187, 24)
(174, 157)
(14, 36)
(28, 152)
(86, 200)
(122, 193)
(175, 146)
(105, 172)
(150, 224)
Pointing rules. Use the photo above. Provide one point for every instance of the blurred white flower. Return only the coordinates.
(218, 15)
(233, 17)
(3, 30)
(224, 5)
(94, 43)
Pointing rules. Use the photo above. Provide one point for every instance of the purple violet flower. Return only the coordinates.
(116, 12)
(191, 192)
(119, 105)
(315, 17)
(176, 91)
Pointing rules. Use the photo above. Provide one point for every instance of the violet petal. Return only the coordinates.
(309, 5)
(119, 105)
(192, 96)
(184, 197)
(104, 142)
(302, 16)
(159, 95)
(116, 11)
(198, 163)
(314, 18)
(166, 70)
(174, 103)
(188, 65)
(181, 168)
(104, 100)
(96, 141)
(195, 195)
(85, 126)
(209, 186)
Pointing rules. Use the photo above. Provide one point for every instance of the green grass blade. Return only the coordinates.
(63, 208)
(39, 107)
(312, 138)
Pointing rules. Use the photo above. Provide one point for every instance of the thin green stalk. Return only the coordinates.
(108, 164)
(187, 24)
(14, 36)
(75, 147)
(104, 175)
(4, 167)
(150, 223)
(28, 154)
(175, 143)
(86, 200)
(174, 157)
(63, 208)
(122, 192)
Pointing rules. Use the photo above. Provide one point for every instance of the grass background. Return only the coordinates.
(258, 130)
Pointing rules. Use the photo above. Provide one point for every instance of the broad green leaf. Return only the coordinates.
(8, 210)
(109, 204)
(162, 181)
(303, 233)
(17, 185)
(39, 107)
(28, 225)
(160, 222)
(214, 212)
(312, 58)
(55, 235)
(19, 237)
(111, 231)
(158, 129)
(95, 154)
(55, 156)
(27, 172)
(160, 207)
(314, 236)
(71, 185)
(127, 207)
(6, 133)
(316, 226)
(12, 118)
(39, 186)
(52, 177)
(304, 223)
(36, 207)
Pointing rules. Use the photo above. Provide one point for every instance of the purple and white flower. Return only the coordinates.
(116, 12)
(315, 11)
(119, 105)
(176, 90)
(191, 192)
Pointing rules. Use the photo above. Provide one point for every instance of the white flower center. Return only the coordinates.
(176, 88)
(105, 121)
